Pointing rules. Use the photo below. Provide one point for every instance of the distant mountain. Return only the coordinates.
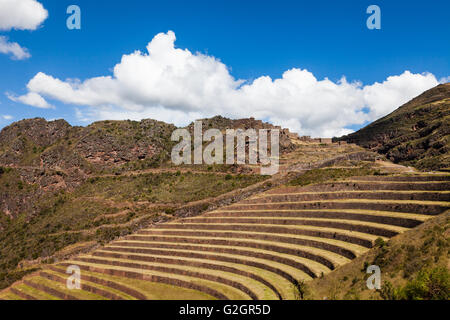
(58, 145)
(103, 145)
(417, 133)
(53, 155)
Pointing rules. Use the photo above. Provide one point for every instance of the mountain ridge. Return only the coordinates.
(417, 133)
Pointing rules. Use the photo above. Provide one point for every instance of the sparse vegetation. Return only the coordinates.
(331, 174)
(414, 265)
(415, 134)
(92, 212)
(110, 202)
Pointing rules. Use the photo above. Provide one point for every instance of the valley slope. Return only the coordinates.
(417, 133)
(106, 198)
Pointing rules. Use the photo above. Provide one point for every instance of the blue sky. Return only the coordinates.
(252, 38)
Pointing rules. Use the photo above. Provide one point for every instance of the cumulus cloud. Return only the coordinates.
(395, 91)
(6, 117)
(21, 14)
(178, 86)
(32, 99)
(445, 80)
(13, 49)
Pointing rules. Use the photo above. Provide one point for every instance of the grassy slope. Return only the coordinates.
(416, 134)
(332, 174)
(102, 209)
(414, 265)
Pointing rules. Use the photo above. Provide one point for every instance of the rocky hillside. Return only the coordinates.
(222, 123)
(417, 134)
(63, 186)
(41, 158)
(58, 145)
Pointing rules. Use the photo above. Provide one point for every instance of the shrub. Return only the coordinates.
(169, 210)
(379, 242)
(430, 284)
(389, 292)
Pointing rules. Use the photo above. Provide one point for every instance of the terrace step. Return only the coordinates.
(213, 289)
(354, 237)
(29, 293)
(291, 274)
(355, 185)
(371, 228)
(252, 288)
(105, 292)
(345, 249)
(223, 278)
(416, 178)
(8, 295)
(38, 295)
(280, 286)
(327, 258)
(406, 220)
(22, 294)
(309, 267)
(422, 207)
(140, 289)
(124, 291)
(298, 195)
(50, 288)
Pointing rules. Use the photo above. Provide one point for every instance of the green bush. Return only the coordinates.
(379, 242)
(430, 284)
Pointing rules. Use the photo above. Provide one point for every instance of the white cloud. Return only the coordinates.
(177, 86)
(444, 80)
(395, 91)
(13, 49)
(7, 117)
(32, 99)
(21, 14)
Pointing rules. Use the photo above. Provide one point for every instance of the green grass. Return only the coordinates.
(61, 287)
(152, 290)
(262, 291)
(277, 281)
(414, 266)
(330, 174)
(429, 284)
(230, 292)
(173, 187)
(40, 295)
(294, 272)
(335, 258)
(242, 235)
